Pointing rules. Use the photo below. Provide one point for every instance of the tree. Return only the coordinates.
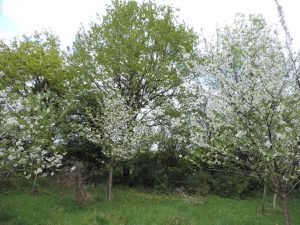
(107, 126)
(32, 80)
(251, 88)
(29, 142)
(139, 52)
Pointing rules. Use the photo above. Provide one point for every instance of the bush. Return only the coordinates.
(232, 185)
(198, 183)
(163, 171)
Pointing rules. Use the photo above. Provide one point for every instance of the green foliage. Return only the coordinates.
(198, 183)
(34, 63)
(164, 170)
(139, 49)
(144, 173)
(233, 185)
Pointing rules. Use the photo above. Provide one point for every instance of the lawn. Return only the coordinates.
(133, 207)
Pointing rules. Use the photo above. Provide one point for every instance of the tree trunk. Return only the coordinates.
(263, 207)
(274, 204)
(287, 220)
(109, 183)
(80, 194)
(34, 187)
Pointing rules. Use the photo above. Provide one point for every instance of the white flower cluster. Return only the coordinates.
(27, 135)
(111, 128)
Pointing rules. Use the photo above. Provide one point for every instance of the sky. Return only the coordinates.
(64, 17)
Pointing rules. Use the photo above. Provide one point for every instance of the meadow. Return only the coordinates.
(55, 206)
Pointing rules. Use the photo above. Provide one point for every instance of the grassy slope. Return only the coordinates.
(131, 207)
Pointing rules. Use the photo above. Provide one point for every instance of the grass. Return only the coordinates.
(52, 206)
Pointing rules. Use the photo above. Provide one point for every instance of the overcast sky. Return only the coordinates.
(64, 17)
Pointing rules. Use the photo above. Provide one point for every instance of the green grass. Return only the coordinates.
(133, 207)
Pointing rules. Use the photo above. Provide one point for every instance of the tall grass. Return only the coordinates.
(132, 207)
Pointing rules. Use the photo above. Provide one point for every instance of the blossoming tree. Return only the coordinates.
(31, 71)
(109, 126)
(29, 145)
(253, 106)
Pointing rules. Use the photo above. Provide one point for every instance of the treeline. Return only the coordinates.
(140, 99)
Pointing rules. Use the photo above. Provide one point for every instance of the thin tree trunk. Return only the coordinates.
(263, 207)
(77, 189)
(287, 220)
(109, 183)
(274, 204)
(34, 187)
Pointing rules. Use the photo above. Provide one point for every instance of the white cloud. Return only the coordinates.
(6, 35)
(207, 14)
(64, 17)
